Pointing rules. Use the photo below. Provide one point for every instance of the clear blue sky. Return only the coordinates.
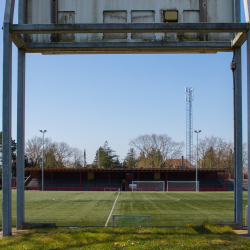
(86, 99)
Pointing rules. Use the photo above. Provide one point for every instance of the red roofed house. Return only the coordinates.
(178, 163)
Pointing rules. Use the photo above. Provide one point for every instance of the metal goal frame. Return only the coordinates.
(131, 215)
(196, 187)
(133, 182)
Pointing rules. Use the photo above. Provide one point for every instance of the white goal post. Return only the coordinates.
(180, 186)
(148, 186)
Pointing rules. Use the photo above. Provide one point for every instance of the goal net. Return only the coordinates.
(182, 186)
(125, 220)
(153, 186)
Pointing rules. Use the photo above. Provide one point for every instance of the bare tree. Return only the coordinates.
(77, 158)
(49, 153)
(157, 148)
(245, 158)
(63, 154)
(34, 151)
(56, 155)
(214, 152)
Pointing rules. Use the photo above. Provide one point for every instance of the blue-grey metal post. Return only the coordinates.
(43, 165)
(248, 126)
(20, 124)
(237, 138)
(237, 78)
(43, 131)
(7, 103)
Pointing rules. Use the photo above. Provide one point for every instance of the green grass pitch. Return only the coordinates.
(93, 208)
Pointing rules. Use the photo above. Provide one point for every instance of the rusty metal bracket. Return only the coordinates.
(203, 11)
(203, 17)
(233, 65)
(54, 18)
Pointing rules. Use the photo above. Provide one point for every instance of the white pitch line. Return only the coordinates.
(112, 210)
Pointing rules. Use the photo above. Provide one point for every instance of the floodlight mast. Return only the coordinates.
(43, 131)
(196, 175)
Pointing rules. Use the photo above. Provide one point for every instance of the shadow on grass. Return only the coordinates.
(217, 229)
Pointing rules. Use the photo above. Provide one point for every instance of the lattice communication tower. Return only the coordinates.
(189, 124)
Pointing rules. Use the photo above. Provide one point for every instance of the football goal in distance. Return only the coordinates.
(131, 219)
(148, 186)
(111, 189)
(181, 186)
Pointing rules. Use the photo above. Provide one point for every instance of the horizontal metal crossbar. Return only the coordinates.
(129, 47)
(130, 28)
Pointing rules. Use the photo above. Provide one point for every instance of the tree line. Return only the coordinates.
(56, 154)
(158, 151)
(146, 151)
(215, 152)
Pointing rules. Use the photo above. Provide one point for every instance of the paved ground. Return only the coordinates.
(242, 233)
(15, 232)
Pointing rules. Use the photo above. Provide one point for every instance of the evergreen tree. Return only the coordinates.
(117, 163)
(210, 159)
(130, 160)
(1, 147)
(13, 157)
(106, 157)
(1, 135)
(84, 159)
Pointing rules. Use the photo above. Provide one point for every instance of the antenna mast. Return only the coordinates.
(189, 124)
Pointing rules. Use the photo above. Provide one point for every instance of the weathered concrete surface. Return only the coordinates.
(38, 225)
(16, 232)
(242, 233)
